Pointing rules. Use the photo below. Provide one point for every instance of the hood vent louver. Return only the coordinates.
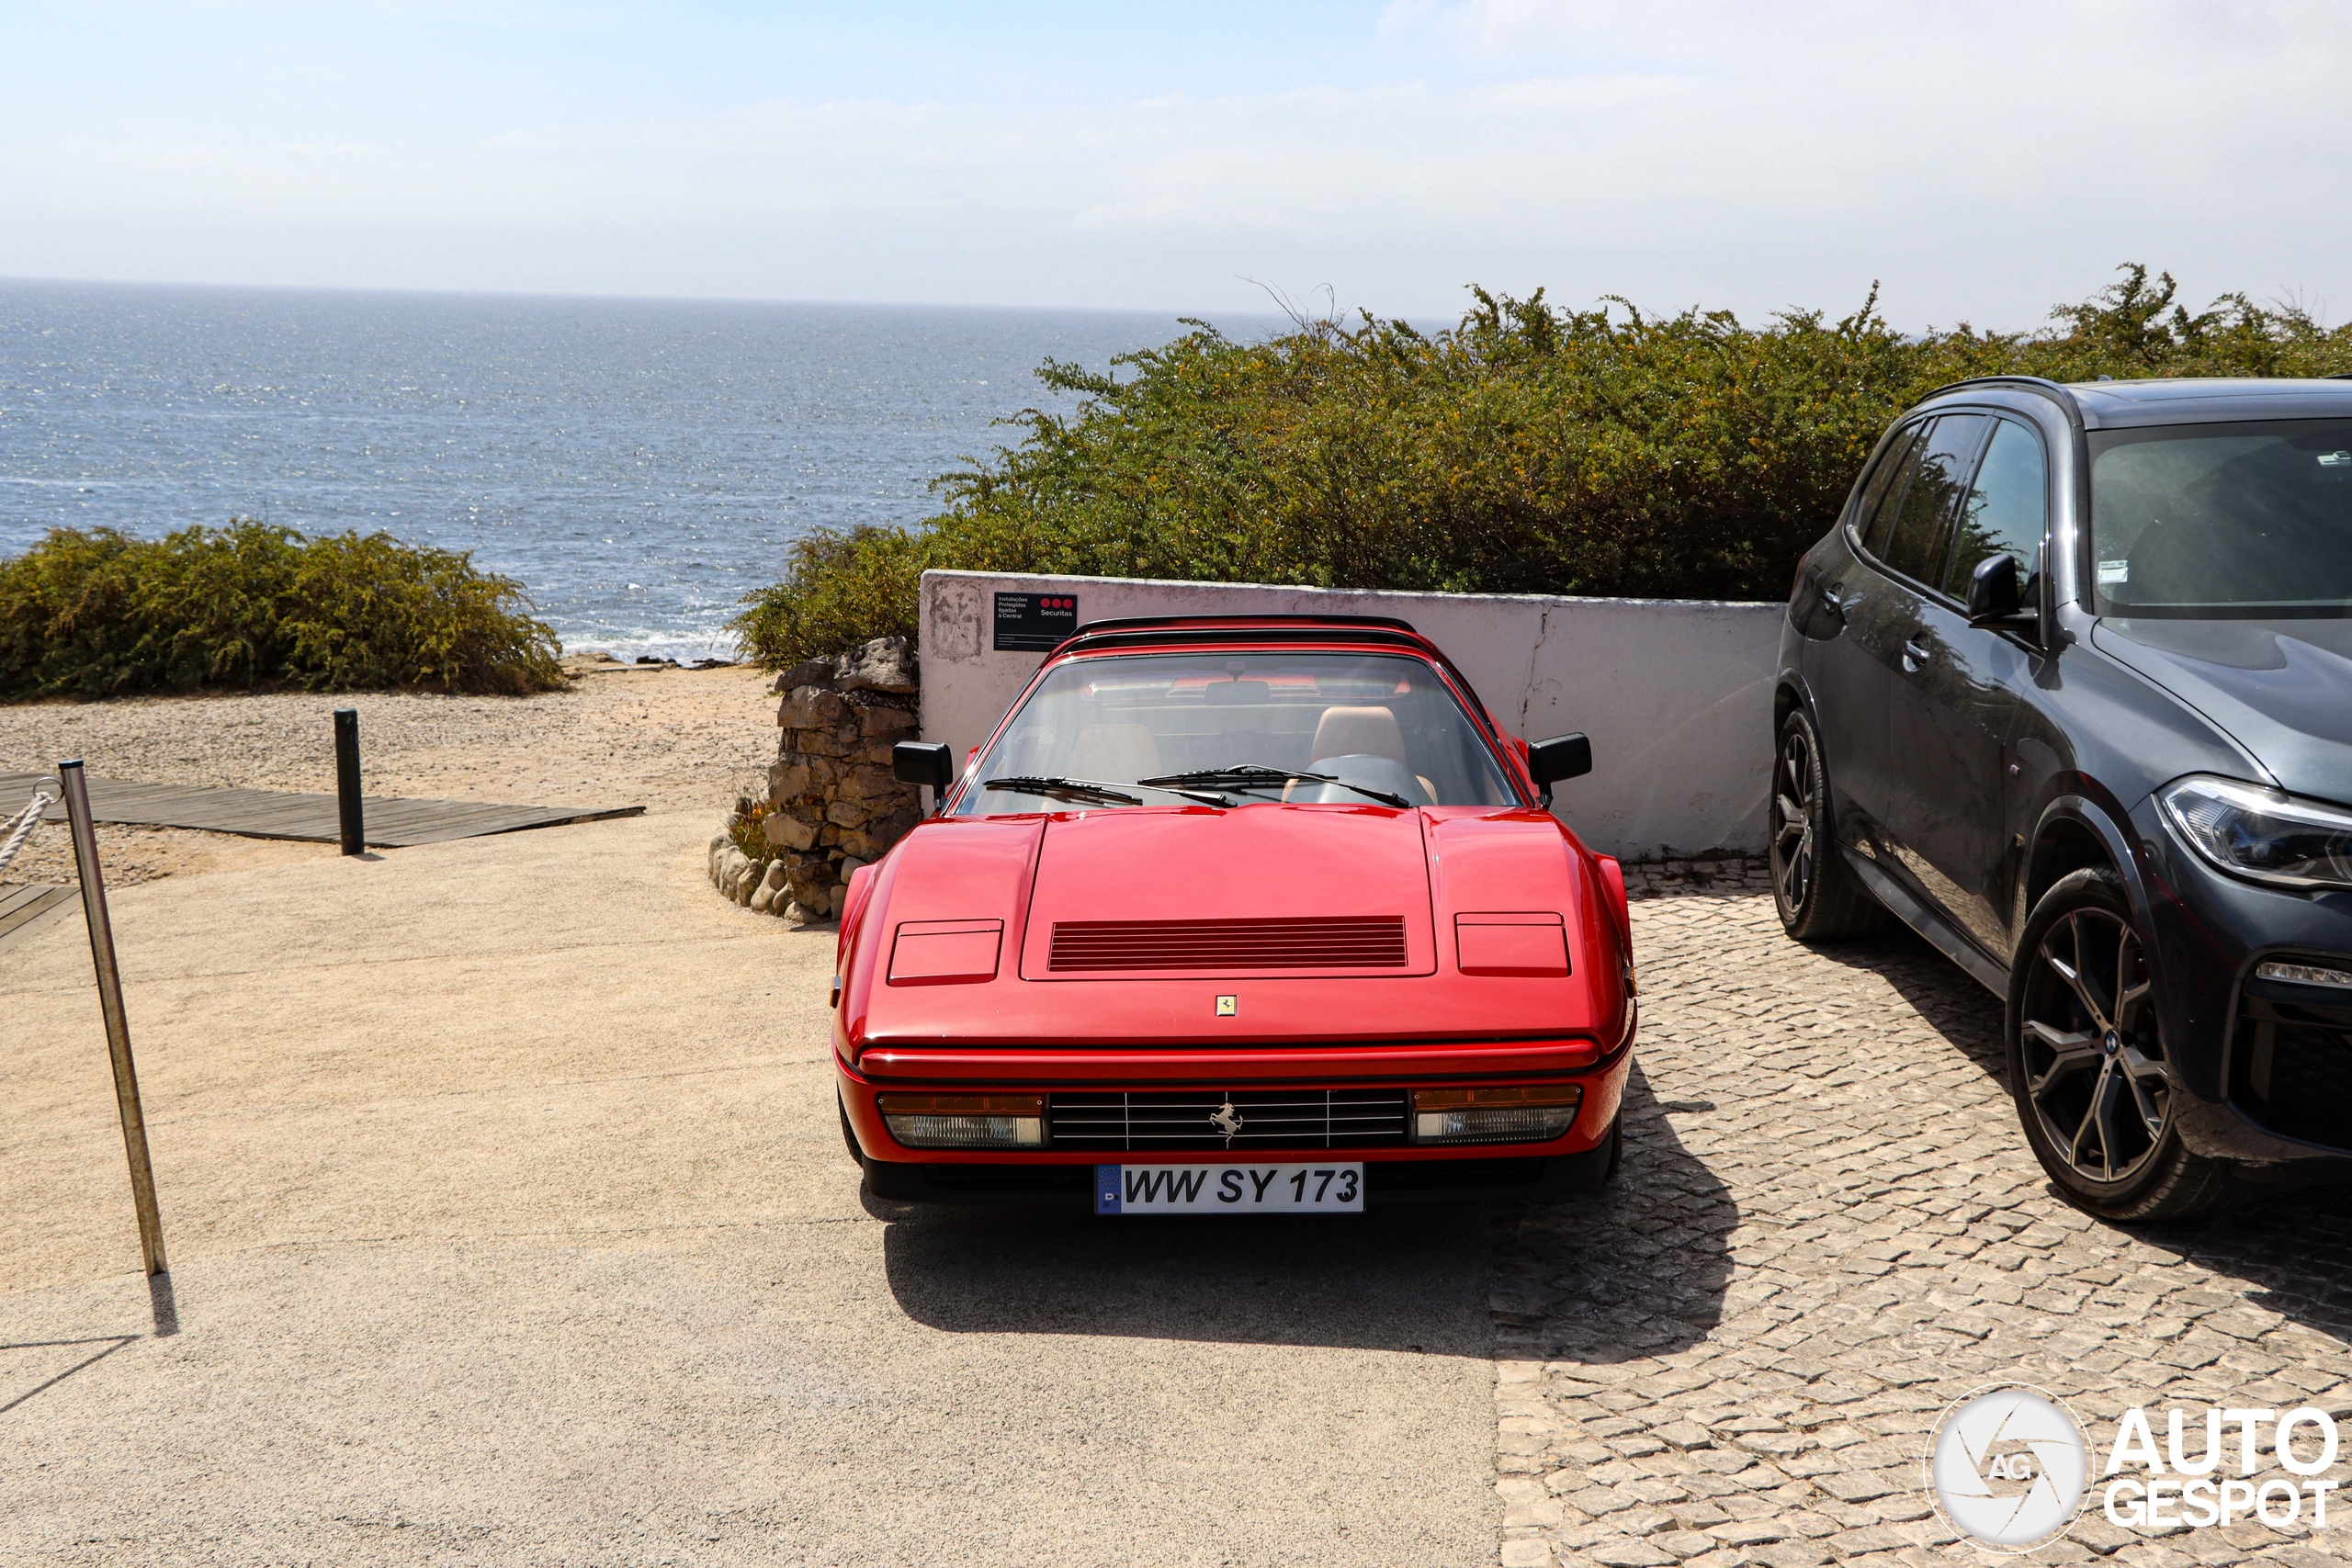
(1342, 941)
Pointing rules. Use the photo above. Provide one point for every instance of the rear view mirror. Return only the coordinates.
(1561, 757)
(926, 762)
(1996, 591)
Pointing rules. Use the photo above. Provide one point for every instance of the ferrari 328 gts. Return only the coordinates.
(1238, 916)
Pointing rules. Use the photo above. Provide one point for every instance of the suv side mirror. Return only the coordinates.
(1561, 757)
(1996, 594)
(924, 762)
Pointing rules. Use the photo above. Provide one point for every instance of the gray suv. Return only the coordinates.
(2068, 691)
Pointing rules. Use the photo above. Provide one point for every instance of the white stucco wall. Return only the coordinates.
(1676, 694)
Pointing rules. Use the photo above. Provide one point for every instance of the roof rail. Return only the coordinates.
(2057, 392)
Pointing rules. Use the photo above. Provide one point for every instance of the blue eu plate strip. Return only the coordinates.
(1106, 1189)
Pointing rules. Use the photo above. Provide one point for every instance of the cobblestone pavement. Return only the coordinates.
(1826, 1228)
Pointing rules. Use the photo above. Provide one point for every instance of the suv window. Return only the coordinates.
(1882, 479)
(2220, 520)
(1922, 536)
(2008, 509)
(1874, 520)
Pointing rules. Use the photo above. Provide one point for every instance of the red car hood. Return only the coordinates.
(1262, 925)
(1263, 890)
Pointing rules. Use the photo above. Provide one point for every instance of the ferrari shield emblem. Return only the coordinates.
(1227, 1006)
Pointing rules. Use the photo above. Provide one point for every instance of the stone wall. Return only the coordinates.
(833, 804)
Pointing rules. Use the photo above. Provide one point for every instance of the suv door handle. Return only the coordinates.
(1913, 656)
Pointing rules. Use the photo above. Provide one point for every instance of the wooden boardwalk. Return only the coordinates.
(389, 822)
(26, 906)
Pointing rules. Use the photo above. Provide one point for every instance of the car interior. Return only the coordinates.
(1381, 723)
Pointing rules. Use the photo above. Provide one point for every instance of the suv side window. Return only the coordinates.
(2007, 510)
(1874, 518)
(1921, 542)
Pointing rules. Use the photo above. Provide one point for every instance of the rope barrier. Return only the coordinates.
(21, 826)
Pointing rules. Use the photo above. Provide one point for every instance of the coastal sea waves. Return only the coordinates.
(637, 465)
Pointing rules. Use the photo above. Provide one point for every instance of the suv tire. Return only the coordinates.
(1818, 896)
(2087, 1066)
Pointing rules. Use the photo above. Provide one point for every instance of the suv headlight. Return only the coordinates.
(2259, 833)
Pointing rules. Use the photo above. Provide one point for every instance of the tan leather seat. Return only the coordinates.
(1359, 732)
(1114, 753)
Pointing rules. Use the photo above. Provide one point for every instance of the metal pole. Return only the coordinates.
(347, 780)
(126, 1077)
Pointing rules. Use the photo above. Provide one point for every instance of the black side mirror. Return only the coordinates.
(1996, 591)
(928, 762)
(1561, 757)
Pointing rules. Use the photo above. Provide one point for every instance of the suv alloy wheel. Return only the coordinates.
(2087, 1065)
(1817, 893)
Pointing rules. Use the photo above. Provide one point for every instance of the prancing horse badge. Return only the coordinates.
(1227, 1006)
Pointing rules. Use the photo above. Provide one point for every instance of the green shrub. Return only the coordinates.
(1527, 449)
(93, 613)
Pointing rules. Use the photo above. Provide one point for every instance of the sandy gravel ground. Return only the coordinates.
(509, 1224)
(668, 740)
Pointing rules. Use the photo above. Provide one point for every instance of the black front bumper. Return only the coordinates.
(2265, 1066)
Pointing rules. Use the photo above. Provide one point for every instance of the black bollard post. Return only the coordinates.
(347, 780)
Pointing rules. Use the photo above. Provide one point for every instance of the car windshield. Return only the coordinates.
(1239, 728)
(2224, 520)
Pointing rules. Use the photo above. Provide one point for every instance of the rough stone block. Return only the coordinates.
(876, 784)
(811, 707)
(788, 779)
(787, 831)
(819, 741)
(882, 665)
(808, 672)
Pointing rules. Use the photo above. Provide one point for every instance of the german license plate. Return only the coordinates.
(1335, 1187)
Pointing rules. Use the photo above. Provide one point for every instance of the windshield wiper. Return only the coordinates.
(1257, 776)
(1087, 789)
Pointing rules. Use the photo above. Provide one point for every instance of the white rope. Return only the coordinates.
(21, 826)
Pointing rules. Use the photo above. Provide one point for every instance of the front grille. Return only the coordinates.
(2290, 1067)
(1270, 1119)
(1338, 942)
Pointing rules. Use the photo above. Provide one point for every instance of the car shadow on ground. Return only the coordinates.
(1639, 1268)
(2293, 1246)
(1415, 1279)
(1946, 997)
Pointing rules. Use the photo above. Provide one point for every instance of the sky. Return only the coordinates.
(1982, 161)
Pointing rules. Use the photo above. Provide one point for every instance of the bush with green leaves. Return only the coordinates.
(1527, 449)
(93, 613)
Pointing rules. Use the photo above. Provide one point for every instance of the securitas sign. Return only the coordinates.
(1034, 623)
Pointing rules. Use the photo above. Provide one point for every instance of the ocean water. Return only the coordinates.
(637, 465)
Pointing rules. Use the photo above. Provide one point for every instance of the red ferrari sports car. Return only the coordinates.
(1238, 916)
